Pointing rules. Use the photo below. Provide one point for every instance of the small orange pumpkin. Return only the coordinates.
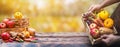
(108, 23)
(26, 33)
(18, 15)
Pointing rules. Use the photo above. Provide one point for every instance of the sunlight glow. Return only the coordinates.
(39, 3)
(67, 2)
(43, 3)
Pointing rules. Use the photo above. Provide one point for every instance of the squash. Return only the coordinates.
(108, 23)
(26, 34)
(104, 30)
(18, 15)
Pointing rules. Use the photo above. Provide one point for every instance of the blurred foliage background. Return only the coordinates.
(51, 15)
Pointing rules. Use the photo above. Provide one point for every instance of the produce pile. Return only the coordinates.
(16, 29)
(99, 23)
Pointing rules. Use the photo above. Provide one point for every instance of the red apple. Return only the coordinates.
(5, 36)
(10, 24)
(6, 20)
(95, 33)
(2, 25)
(93, 25)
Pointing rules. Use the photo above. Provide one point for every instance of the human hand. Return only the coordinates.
(109, 39)
(91, 10)
(94, 8)
(88, 14)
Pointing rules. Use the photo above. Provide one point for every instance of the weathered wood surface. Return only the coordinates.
(52, 41)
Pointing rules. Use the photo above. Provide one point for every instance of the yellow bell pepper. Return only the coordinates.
(103, 14)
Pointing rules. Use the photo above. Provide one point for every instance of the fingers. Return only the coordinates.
(104, 36)
(94, 8)
(91, 8)
(87, 14)
(105, 40)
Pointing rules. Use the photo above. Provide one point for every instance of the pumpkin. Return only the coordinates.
(18, 15)
(108, 23)
(26, 34)
(103, 14)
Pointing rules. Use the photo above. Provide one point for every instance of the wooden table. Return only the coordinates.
(53, 41)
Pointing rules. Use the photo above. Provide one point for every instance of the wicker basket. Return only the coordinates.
(21, 22)
(20, 25)
(90, 37)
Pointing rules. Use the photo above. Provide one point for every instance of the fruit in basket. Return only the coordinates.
(93, 25)
(85, 15)
(89, 21)
(26, 34)
(19, 39)
(31, 31)
(108, 23)
(98, 21)
(10, 24)
(104, 30)
(95, 33)
(13, 34)
(2, 25)
(85, 19)
(103, 14)
(5, 20)
(21, 35)
(18, 15)
(5, 36)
